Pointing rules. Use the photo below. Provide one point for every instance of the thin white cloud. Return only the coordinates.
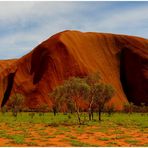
(12, 12)
(125, 18)
(48, 18)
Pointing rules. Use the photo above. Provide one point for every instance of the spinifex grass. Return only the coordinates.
(132, 141)
(81, 144)
(19, 129)
(116, 119)
(104, 138)
(18, 139)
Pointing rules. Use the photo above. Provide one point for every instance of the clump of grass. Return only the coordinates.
(112, 143)
(43, 128)
(33, 138)
(51, 136)
(104, 138)
(80, 130)
(81, 144)
(143, 130)
(65, 139)
(72, 137)
(31, 144)
(94, 129)
(109, 145)
(18, 139)
(62, 128)
(53, 124)
(103, 130)
(58, 133)
(119, 137)
(132, 141)
(2, 133)
(122, 136)
(43, 133)
(145, 145)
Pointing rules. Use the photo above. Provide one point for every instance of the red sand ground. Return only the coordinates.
(47, 136)
(73, 53)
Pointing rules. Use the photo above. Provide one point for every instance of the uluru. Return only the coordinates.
(121, 60)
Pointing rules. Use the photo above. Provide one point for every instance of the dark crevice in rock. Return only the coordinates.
(8, 89)
(131, 77)
(123, 78)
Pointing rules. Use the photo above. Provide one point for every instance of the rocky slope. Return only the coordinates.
(121, 60)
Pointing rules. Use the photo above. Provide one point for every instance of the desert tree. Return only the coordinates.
(110, 109)
(143, 107)
(57, 98)
(91, 80)
(89, 88)
(128, 107)
(102, 94)
(4, 109)
(72, 91)
(131, 107)
(16, 103)
(42, 108)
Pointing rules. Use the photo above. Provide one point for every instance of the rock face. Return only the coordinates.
(121, 60)
(5, 64)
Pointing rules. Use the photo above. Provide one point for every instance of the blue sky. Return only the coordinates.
(23, 25)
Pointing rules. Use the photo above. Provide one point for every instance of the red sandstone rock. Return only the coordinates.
(73, 53)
